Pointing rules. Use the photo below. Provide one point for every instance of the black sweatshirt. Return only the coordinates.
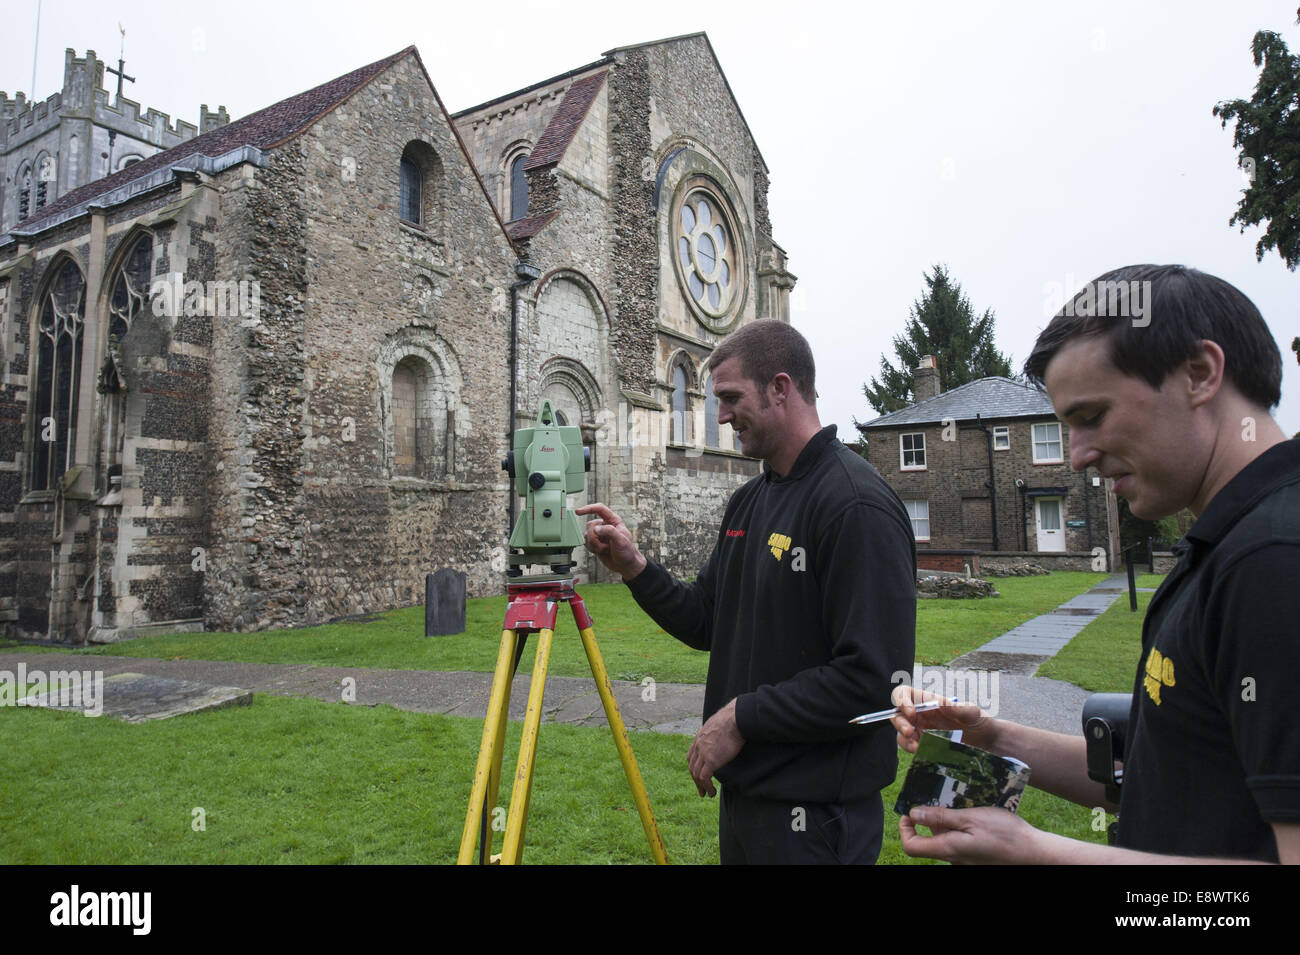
(808, 607)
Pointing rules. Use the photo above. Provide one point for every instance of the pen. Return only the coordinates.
(886, 714)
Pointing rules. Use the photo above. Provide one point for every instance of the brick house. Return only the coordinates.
(984, 468)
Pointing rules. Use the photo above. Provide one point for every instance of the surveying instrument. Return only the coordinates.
(547, 463)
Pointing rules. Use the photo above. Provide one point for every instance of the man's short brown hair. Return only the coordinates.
(766, 348)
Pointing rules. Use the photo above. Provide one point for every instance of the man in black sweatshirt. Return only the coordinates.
(807, 606)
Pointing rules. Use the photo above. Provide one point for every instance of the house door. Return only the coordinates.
(1047, 521)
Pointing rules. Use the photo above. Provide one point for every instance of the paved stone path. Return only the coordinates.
(672, 707)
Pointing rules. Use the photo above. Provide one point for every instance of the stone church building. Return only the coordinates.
(264, 372)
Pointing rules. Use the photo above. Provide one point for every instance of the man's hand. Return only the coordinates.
(984, 836)
(716, 744)
(609, 539)
(975, 726)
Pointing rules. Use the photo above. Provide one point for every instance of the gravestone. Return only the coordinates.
(444, 603)
(139, 697)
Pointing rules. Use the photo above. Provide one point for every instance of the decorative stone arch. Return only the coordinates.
(556, 327)
(426, 421)
(579, 279)
(686, 170)
(128, 159)
(511, 178)
(559, 374)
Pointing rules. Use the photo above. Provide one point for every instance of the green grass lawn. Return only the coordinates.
(302, 781)
(633, 645)
(948, 628)
(1104, 656)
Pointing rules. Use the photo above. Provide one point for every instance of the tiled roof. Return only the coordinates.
(564, 124)
(527, 228)
(264, 129)
(987, 397)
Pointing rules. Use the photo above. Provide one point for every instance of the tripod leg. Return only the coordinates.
(490, 750)
(512, 849)
(499, 746)
(619, 730)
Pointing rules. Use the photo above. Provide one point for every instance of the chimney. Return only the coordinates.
(925, 379)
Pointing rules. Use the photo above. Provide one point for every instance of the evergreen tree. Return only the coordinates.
(1268, 135)
(942, 324)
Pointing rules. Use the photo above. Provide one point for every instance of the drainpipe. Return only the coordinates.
(1087, 507)
(993, 491)
(527, 275)
(1024, 531)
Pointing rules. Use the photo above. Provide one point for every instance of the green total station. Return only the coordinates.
(548, 463)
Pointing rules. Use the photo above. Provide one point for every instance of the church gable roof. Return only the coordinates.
(564, 124)
(263, 129)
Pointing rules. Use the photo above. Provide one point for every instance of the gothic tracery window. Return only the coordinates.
(58, 376)
(130, 290)
(129, 297)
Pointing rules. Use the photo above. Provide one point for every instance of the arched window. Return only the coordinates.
(679, 429)
(412, 199)
(710, 415)
(46, 174)
(420, 187)
(518, 188)
(25, 194)
(58, 376)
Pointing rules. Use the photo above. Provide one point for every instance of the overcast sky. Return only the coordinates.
(1020, 144)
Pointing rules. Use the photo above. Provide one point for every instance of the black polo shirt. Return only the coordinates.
(1213, 756)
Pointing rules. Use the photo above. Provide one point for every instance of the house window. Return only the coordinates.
(518, 188)
(710, 415)
(58, 377)
(911, 451)
(1002, 438)
(1047, 443)
(919, 512)
(412, 198)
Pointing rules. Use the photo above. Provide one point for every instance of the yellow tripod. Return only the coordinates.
(533, 607)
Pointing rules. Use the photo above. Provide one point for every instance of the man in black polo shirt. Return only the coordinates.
(1170, 397)
(807, 607)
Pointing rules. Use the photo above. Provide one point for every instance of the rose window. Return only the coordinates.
(707, 253)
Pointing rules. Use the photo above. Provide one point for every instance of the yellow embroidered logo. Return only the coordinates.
(1159, 672)
(779, 543)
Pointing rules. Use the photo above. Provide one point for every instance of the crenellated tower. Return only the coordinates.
(81, 133)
